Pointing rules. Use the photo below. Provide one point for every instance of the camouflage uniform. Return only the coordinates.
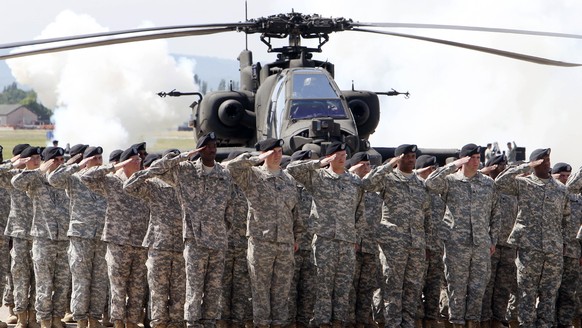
(365, 279)
(206, 198)
(469, 233)
(49, 247)
(166, 269)
(86, 250)
(402, 234)
(272, 229)
(539, 233)
(302, 292)
(18, 228)
(235, 303)
(126, 220)
(337, 215)
(502, 284)
(4, 240)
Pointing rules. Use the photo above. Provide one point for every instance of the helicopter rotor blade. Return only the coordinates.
(469, 28)
(99, 43)
(233, 26)
(503, 53)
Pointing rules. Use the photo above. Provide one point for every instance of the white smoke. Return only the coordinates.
(106, 96)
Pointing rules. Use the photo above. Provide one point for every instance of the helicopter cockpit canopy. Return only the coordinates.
(314, 95)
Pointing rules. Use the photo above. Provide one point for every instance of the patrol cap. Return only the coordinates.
(30, 151)
(150, 158)
(173, 151)
(359, 157)
(425, 161)
(539, 154)
(51, 152)
(405, 149)
(77, 149)
(128, 153)
(300, 155)
(114, 155)
(497, 159)
(18, 149)
(561, 167)
(469, 150)
(334, 147)
(139, 146)
(92, 151)
(205, 139)
(268, 144)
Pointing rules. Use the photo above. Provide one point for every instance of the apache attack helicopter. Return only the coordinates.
(294, 98)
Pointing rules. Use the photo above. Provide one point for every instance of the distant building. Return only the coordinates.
(17, 115)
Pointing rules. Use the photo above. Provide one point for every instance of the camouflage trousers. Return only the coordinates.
(271, 271)
(403, 271)
(433, 285)
(502, 285)
(334, 261)
(8, 289)
(22, 275)
(167, 285)
(538, 278)
(127, 278)
(467, 271)
(88, 276)
(52, 277)
(567, 302)
(302, 292)
(235, 302)
(5, 263)
(204, 268)
(378, 295)
(363, 287)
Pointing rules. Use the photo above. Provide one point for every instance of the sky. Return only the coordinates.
(457, 96)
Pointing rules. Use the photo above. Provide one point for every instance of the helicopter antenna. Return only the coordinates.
(246, 20)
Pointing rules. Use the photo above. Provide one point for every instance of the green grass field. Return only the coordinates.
(182, 140)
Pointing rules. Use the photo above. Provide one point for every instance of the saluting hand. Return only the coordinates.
(266, 154)
(463, 160)
(488, 169)
(46, 166)
(324, 162)
(395, 161)
(536, 163)
(73, 159)
(193, 153)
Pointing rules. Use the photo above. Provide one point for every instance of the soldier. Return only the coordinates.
(114, 156)
(338, 219)
(540, 230)
(86, 250)
(205, 191)
(434, 283)
(302, 291)
(367, 264)
(236, 308)
(124, 230)
(272, 229)
(502, 284)
(403, 229)
(567, 301)
(471, 233)
(18, 228)
(165, 263)
(50, 241)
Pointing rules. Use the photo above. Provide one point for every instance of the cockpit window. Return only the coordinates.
(314, 96)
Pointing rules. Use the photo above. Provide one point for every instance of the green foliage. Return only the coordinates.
(13, 95)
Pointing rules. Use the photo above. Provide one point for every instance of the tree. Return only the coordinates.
(13, 95)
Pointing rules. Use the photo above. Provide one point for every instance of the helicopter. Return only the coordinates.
(274, 99)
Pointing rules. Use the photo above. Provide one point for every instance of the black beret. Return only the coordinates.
(234, 154)
(497, 159)
(300, 155)
(425, 161)
(334, 147)
(18, 149)
(561, 167)
(469, 150)
(114, 155)
(205, 139)
(30, 151)
(539, 154)
(150, 158)
(51, 152)
(139, 146)
(173, 151)
(128, 153)
(92, 151)
(77, 149)
(405, 149)
(268, 144)
(359, 157)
